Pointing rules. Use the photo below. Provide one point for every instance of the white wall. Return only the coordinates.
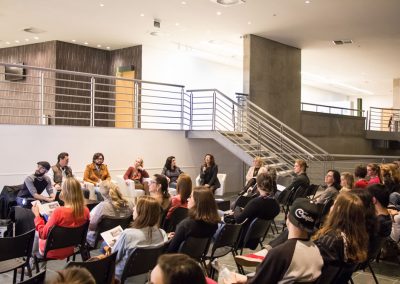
(182, 68)
(22, 146)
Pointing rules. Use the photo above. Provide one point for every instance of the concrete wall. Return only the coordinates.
(272, 78)
(338, 134)
(22, 146)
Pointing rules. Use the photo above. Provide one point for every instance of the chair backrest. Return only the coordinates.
(142, 260)
(301, 191)
(19, 246)
(255, 233)
(227, 237)
(62, 237)
(102, 270)
(222, 179)
(177, 216)
(336, 274)
(312, 190)
(196, 248)
(110, 222)
(242, 201)
(37, 279)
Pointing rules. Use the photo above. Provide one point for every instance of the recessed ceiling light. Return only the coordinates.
(17, 41)
(27, 39)
(86, 43)
(249, 23)
(99, 45)
(141, 15)
(108, 47)
(183, 2)
(307, 1)
(7, 42)
(219, 13)
(73, 40)
(101, 5)
(36, 37)
(176, 24)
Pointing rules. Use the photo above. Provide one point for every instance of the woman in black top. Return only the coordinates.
(202, 221)
(208, 173)
(171, 171)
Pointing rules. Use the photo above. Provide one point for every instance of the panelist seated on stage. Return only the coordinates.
(34, 185)
(60, 171)
(96, 171)
(136, 174)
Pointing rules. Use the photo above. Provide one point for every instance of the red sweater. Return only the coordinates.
(62, 216)
(175, 203)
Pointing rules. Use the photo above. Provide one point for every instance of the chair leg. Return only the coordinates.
(15, 276)
(36, 264)
(373, 273)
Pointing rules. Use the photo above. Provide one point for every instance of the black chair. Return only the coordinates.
(108, 223)
(324, 212)
(102, 270)
(196, 248)
(37, 279)
(15, 253)
(225, 243)
(336, 274)
(141, 261)
(177, 216)
(242, 201)
(312, 190)
(23, 219)
(62, 237)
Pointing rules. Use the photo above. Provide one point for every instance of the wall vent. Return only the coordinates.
(342, 41)
(228, 2)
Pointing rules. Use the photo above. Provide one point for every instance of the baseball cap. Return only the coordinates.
(303, 214)
(44, 164)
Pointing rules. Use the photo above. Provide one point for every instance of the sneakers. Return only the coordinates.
(251, 259)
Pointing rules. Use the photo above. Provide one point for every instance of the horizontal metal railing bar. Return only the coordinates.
(68, 110)
(202, 103)
(23, 83)
(87, 74)
(160, 97)
(216, 91)
(19, 100)
(24, 76)
(220, 115)
(333, 107)
(70, 88)
(68, 80)
(158, 90)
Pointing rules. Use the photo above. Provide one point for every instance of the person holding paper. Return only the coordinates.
(60, 171)
(73, 214)
(143, 232)
(34, 185)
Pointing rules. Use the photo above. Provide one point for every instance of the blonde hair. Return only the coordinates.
(111, 191)
(71, 194)
(349, 178)
(73, 275)
(259, 160)
(302, 164)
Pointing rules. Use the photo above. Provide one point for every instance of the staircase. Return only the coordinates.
(248, 131)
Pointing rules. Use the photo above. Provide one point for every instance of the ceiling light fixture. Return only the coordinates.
(228, 2)
(36, 37)
(73, 40)
(108, 47)
(183, 2)
(101, 5)
(27, 39)
(17, 41)
(249, 23)
(307, 1)
(99, 45)
(141, 15)
(86, 43)
(219, 13)
(7, 42)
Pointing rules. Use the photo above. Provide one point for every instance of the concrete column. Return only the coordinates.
(396, 93)
(271, 77)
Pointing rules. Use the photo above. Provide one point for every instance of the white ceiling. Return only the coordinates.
(370, 63)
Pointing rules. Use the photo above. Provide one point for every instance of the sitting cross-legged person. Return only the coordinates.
(286, 263)
(136, 176)
(114, 205)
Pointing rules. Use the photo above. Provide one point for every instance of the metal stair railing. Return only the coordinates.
(251, 128)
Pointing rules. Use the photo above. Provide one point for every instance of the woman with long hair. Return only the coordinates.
(143, 232)
(343, 239)
(346, 181)
(158, 187)
(114, 205)
(209, 173)
(73, 214)
(374, 173)
(183, 189)
(171, 171)
(202, 221)
(332, 184)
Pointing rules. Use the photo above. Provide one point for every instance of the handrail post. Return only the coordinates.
(191, 110)
(182, 107)
(41, 115)
(259, 138)
(214, 110)
(136, 106)
(92, 100)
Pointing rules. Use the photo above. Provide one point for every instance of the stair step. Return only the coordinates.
(277, 165)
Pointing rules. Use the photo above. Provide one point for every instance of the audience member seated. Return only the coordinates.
(171, 171)
(158, 188)
(346, 181)
(72, 275)
(177, 268)
(332, 183)
(301, 179)
(202, 221)
(184, 189)
(390, 177)
(373, 172)
(360, 173)
(60, 171)
(73, 214)
(96, 171)
(395, 233)
(137, 174)
(114, 205)
(144, 232)
(286, 262)
(380, 198)
(258, 167)
(209, 173)
(34, 185)
(343, 239)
